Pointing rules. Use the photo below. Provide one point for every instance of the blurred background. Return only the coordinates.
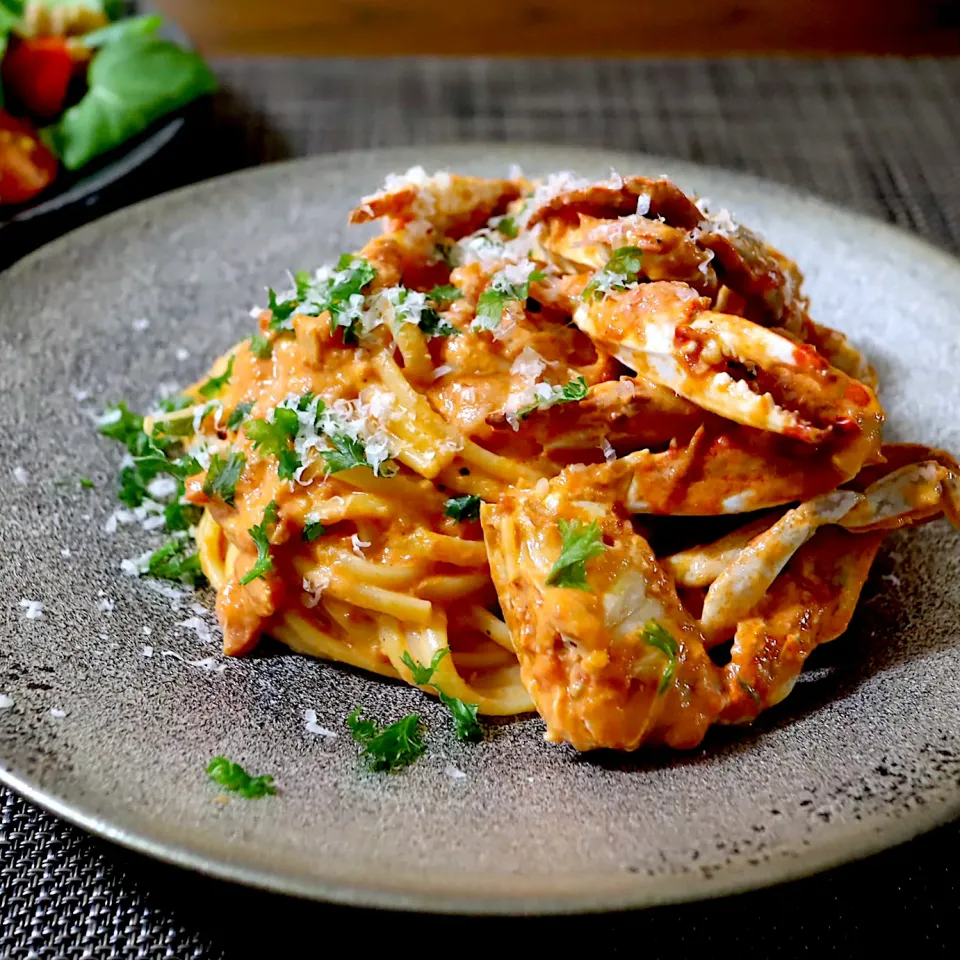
(568, 27)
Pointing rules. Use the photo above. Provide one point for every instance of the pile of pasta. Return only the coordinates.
(583, 435)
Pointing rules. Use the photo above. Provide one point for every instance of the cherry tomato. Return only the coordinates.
(37, 72)
(26, 165)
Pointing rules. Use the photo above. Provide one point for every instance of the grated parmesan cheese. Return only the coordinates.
(33, 609)
(65, 553)
(106, 605)
(609, 454)
(314, 584)
(140, 324)
(21, 476)
(57, 714)
(358, 545)
(147, 652)
(200, 627)
(6, 701)
(311, 726)
(454, 773)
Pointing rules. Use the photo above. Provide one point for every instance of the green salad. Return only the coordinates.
(78, 78)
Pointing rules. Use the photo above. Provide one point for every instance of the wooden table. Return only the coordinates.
(569, 27)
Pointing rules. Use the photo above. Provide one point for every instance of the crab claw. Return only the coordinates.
(810, 603)
(451, 204)
(735, 368)
(599, 673)
(913, 493)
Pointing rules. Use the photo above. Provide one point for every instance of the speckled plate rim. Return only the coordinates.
(384, 895)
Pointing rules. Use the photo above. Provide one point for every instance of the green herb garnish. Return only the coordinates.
(444, 294)
(656, 636)
(465, 723)
(463, 508)
(389, 748)
(580, 543)
(215, 384)
(619, 272)
(231, 776)
(222, 476)
(494, 299)
(576, 389)
(312, 530)
(86, 483)
(433, 325)
(261, 537)
(261, 346)
(176, 560)
(508, 227)
(346, 454)
(239, 413)
(274, 438)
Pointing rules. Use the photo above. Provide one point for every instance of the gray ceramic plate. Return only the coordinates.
(864, 754)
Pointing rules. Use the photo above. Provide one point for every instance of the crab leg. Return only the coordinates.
(700, 566)
(911, 494)
(586, 654)
(810, 603)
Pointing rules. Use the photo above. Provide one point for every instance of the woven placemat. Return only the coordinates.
(882, 136)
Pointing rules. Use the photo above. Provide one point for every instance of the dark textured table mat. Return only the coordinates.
(881, 136)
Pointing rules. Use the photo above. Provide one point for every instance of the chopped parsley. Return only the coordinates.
(506, 287)
(175, 402)
(312, 530)
(179, 515)
(388, 748)
(240, 413)
(261, 346)
(215, 384)
(222, 476)
(261, 537)
(422, 675)
(120, 423)
(507, 226)
(275, 437)
(463, 508)
(656, 636)
(576, 389)
(339, 291)
(231, 776)
(152, 454)
(86, 483)
(580, 543)
(619, 272)
(444, 294)
(280, 311)
(346, 454)
(465, 723)
(433, 325)
(175, 560)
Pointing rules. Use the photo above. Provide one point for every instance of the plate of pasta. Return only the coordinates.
(548, 536)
